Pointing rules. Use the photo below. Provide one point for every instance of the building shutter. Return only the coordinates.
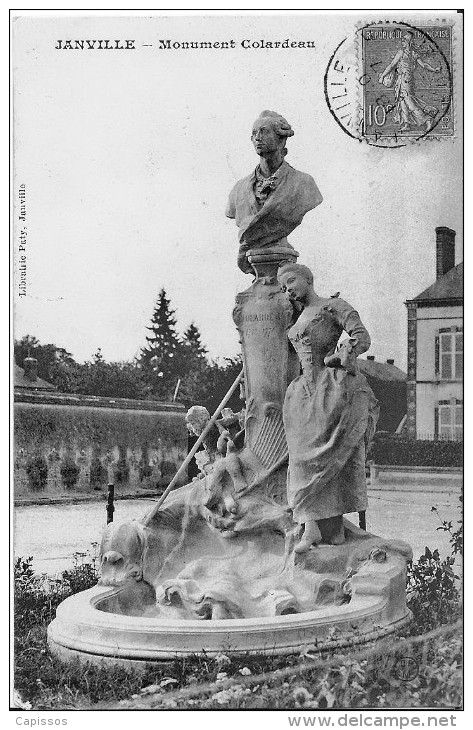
(437, 355)
(436, 422)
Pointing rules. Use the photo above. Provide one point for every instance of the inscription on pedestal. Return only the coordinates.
(262, 315)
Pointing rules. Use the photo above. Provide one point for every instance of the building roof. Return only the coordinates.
(20, 381)
(382, 371)
(449, 286)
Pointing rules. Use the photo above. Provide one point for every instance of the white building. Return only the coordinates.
(435, 350)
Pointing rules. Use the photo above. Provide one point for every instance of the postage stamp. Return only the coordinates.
(407, 81)
(392, 83)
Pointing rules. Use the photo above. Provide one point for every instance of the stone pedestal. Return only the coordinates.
(262, 315)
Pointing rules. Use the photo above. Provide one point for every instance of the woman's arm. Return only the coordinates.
(359, 340)
(390, 66)
(426, 65)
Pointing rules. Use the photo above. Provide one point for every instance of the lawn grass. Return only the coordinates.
(340, 681)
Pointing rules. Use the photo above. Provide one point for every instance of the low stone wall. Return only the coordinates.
(415, 478)
(66, 445)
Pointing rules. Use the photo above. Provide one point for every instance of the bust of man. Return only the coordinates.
(271, 202)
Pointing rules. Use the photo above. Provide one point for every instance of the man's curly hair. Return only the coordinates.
(280, 125)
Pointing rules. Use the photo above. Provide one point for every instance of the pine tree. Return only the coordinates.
(192, 340)
(159, 358)
(193, 366)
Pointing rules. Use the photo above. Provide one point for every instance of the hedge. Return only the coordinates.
(396, 451)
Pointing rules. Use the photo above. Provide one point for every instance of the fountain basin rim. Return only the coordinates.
(86, 604)
(145, 657)
(82, 630)
(121, 649)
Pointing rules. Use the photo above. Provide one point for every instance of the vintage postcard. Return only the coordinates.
(237, 285)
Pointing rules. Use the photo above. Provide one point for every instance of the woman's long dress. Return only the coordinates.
(410, 109)
(329, 416)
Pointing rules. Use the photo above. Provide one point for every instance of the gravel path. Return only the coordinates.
(52, 533)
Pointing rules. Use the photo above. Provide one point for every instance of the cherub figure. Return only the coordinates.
(220, 464)
(221, 495)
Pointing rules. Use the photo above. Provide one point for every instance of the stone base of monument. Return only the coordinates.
(358, 597)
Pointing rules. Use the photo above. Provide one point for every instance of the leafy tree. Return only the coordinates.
(57, 366)
(158, 360)
(222, 378)
(162, 362)
(52, 360)
(112, 380)
(215, 380)
(97, 357)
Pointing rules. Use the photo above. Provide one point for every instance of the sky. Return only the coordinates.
(128, 158)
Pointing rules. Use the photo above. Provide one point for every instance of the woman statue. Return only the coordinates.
(329, 413)
(410, 109)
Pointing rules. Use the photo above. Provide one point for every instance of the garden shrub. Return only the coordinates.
(433, 586)
(433, 596)
(145, 471)
(69, 472)
(37, 473)
(98, 474)
(36, 596)
(145, 468)
(167, 470)
(122, 472)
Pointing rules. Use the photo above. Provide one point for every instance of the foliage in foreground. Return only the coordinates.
(341, 681)
(433, 593)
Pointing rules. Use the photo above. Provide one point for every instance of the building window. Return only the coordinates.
(450, 421)
(451, 355)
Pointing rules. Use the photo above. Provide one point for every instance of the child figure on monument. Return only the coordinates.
(218, 460)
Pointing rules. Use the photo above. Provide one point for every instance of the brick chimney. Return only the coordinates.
(445, 250)
(31, 369)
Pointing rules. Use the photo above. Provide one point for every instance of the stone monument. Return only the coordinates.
(255, 555)
(268, 205)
